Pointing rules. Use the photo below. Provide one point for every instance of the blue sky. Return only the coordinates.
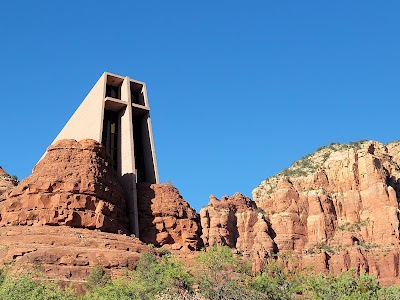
(238, 90)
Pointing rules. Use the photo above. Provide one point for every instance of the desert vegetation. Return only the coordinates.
(310, 163)
(216, 274)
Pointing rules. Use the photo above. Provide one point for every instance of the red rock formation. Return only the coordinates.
(68, 254)
(72, 185)
(335, 209)
(345, 195)
(235, 222)
(165, 218)
(6, 182)
(342, 202)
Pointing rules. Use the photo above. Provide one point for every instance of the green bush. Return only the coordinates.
(216, 278)
(276, 281)
(97, 277)
(117, 289)
(224, 276)
(26, 288)
(275, 286)
(390, 293)
(346, 285)
(151, 277)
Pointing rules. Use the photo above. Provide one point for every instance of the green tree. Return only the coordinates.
(223, 276)
(151, 277)
(97, 277)
(347, 285)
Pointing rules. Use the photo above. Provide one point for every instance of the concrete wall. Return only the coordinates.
(87, 121)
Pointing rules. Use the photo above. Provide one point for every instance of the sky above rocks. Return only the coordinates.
(238, 90)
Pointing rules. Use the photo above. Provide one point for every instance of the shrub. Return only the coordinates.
(150, 278)
(97, 277)
(390, 293)
(26, 288)
(346, 285)
(164, 251)
(224, 276)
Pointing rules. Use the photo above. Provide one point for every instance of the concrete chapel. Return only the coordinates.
(116, 113)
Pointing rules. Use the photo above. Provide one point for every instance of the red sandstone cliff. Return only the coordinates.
(73, 185)
(335, 209)
(236, 222)
(340, 195)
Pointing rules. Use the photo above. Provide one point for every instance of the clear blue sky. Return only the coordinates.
(238, 89)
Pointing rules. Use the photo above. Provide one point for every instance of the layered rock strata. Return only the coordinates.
(341, 195)
(6, 182)
(332, 210)
(67, 254)
(236, 222)
(73, 185)
(338, 208)
(166, 219)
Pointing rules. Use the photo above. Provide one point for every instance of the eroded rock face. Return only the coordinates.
(333, 210)
(6, 182)
(68, 254)
(236, 222)
(338, 196)
(166, 219)
(73, 185)
(338, 208)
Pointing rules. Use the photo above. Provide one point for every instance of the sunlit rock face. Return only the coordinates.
(339, 195)
(341, 200)
(332, 210)
(6, 182)
(73, 185)
(68, 254)
(236, 222)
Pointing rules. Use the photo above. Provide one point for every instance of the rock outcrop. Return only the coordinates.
(340, 195)
(338, 208)
(73, 185)
(166, 219)
(6, 182)
(68, 254)
(236, 222)
(335, 209)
